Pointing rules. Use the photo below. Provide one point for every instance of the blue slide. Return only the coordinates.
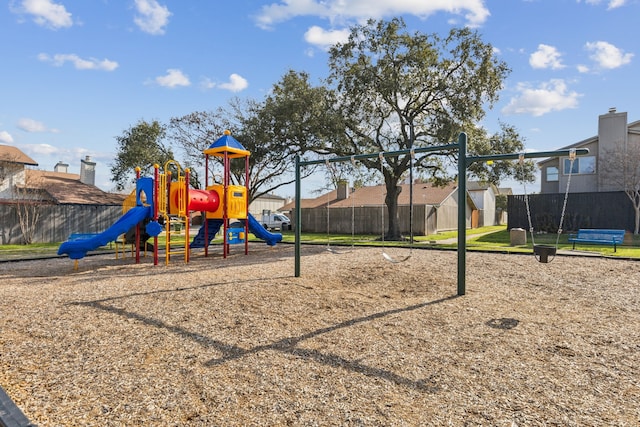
(77, 249)
(254, 227)
(261, 233)
(213, 226)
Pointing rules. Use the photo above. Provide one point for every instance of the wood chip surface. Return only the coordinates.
(355, 341)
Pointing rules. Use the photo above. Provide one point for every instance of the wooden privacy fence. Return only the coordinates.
(366, 220)
(584, 210)
(57, 222)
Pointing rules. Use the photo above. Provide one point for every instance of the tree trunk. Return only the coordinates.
(634, 196)
(28, 217)
(391, 200)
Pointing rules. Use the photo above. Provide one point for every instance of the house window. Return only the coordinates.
(552, 174)
(581, 165)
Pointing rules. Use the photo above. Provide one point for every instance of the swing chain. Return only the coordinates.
(328, 165)
(572, 158)
(526, 198)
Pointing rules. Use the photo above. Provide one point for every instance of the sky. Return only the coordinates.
(76, 74)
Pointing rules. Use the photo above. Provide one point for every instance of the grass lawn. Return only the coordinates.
(494, 238)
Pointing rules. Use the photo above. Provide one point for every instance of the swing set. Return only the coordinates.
(464, 161)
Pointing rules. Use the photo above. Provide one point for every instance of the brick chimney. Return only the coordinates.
(61, 167)
(612, 138)
(87, 171)
(343, 190)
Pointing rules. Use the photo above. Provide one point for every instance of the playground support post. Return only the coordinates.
(298, 220)
(137, 240)
(185, 206)
(156, 188)
(462, 213)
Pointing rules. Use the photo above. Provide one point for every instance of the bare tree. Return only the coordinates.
(272, 161)
(622, 170)
(28, 200)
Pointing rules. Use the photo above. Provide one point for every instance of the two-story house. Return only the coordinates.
(615, 135)
(599, 194)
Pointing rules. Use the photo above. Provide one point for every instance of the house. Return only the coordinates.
(588, 175)
(56, 187)
(266, 202)
(362, 210)
(47, 206)
(13, 163)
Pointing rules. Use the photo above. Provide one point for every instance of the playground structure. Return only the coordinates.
(464, 161)
(168, 199)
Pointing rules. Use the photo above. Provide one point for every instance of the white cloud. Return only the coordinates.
(60, 59)
(611, 4)
(46, 13)
(582, 68)
(474, 11)
(173, 78)
(236, 83)
(30, 125)
(152, 17)
(41, 150)
(6, 137)
(325, 39)
(206, 83)
(607, 55)
(548, 96)
(546, 57)
(616, 3)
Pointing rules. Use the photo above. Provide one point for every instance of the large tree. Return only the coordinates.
(389, 90)
(140, 146)
(271, 163)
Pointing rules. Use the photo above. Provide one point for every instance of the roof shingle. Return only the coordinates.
(14, 155)
(66, 188)
(423, 194)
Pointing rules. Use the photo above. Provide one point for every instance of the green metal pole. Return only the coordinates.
(298, 220)
(462, 213)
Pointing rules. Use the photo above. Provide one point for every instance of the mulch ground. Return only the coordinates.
(355, 341)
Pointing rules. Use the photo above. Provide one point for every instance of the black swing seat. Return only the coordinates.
(543, 252)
